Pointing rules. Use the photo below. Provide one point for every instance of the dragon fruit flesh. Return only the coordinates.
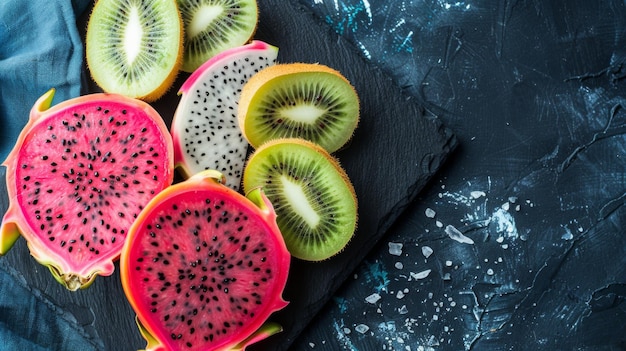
(205, 129)
(79, 174)
(204, 267)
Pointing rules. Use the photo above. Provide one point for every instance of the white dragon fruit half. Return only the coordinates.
(205, 130)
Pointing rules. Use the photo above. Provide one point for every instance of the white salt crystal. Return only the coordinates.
(477, 194)
(427, 251)
(456, 234)
(373, 298)
(403, 310)
(430, 213)
(395, 249)
(420, 275)
(362, 328)
(399, 265)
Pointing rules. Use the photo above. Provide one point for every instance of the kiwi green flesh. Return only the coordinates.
(133, 46)
(317, 106)
(212, 26)
(315, 204)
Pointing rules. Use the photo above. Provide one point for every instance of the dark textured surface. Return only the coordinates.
(395, 151)
(535, 92)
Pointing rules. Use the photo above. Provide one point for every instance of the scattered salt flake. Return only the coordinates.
(420, 275)
(362, 328)
(506, 206)
(399, 265)
(403, 310)
(430, 213)
(456, 234)
(373, 298)
(433, 341)
(439, 224)
(477, 194)
(400, 294)
(567, 235)
(312, 345)
(427, 251)
(490, 271)
(500, 239)
(448, 263)
(395, 249)
(347, 331)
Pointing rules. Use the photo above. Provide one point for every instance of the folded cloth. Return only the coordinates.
(29, 321)
(40, 49)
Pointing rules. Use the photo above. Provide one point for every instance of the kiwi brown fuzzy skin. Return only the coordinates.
(100, 78)
(264, 78)
(348, 231)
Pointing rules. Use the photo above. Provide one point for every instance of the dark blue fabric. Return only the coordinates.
(40, 48)
(30, 322)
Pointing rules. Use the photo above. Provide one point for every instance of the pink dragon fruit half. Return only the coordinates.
(78, 176)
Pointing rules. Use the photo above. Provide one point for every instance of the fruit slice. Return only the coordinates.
(204, 266)
(79, 174)
(205, 129)
(212, 26)
(134, 47)
(299, 100)
(312, 195)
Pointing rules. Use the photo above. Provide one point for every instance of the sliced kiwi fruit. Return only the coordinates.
(212, 26)
(315, 202)
(134, 47)
(299, 100)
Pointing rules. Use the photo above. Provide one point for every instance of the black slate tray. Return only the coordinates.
(395, 151)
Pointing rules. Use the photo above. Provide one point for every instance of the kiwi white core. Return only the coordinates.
(133, 35)
(303, 113)
(299, 202)
(202, 18)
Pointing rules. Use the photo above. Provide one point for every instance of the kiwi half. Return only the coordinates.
(315, 202)
(134, 47)
(212, 26)
(299, 100)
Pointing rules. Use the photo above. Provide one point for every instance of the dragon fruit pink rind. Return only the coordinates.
(204, 267)
(205, 129)
(79, 174)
